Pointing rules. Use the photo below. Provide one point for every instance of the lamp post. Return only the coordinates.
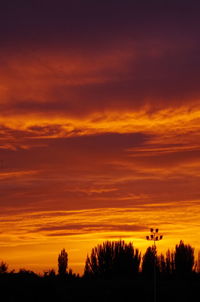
(154, 236)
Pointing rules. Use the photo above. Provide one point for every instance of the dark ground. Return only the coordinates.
(33, 288)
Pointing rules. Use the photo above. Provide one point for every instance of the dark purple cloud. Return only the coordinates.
(70, 21)
(92, 228)
(155, 46)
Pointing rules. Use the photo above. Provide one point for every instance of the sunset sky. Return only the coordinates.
(99, 126)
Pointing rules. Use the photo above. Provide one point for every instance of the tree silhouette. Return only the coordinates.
(62, 263)
(166, 263)
(162, 263)
(169, 262)
(3, 268)
(184, 258)
(113, 259)
(198, 262)
(150, 261)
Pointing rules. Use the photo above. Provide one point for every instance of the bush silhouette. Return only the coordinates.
(62, 263)
(113, 259)
(184, 258)
(50, 273)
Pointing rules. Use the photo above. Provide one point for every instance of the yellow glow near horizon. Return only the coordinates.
(46, 231)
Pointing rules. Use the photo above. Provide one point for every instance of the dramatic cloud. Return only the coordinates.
(99, 126)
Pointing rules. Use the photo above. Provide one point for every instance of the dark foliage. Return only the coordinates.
(150, 261)
(170, 263)
(50, 273)
(62, 263)
(115, 264)
(113, 259)
(166, 265)
(3, 268)
(184, 259)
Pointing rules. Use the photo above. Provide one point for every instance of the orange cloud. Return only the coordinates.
(164, 122)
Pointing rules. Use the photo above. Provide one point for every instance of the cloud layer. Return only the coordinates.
(99, 125)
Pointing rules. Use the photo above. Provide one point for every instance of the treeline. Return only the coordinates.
(121, 259)
(114, 271)
(113, 259)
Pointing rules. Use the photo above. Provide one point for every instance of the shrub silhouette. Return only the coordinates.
(62, 263)
(113, 259)
(50, 273)
(184, 258)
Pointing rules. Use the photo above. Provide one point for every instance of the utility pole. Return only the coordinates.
(154, 236)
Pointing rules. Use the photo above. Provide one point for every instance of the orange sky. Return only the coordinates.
(99, 128)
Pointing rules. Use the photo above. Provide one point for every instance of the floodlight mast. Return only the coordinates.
(154, 236)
